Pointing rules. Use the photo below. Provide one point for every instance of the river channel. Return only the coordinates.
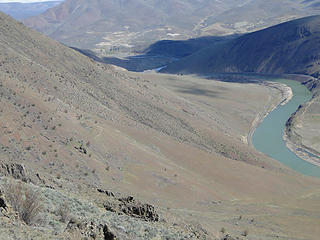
(268, 137)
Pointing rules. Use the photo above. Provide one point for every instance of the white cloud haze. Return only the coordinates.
(26, 1)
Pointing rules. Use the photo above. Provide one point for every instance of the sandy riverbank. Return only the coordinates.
(301, 151)
(285, 97)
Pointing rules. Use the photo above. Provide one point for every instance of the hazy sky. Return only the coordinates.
(26, 1)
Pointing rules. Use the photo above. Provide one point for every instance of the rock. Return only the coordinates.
(129, 206)
(107, 234)
(15, 170)
(136, 209)
(2, 203)
(90, 230)
(228, 237)
(81, 149)
(40, 179)
(199, 232)
(108, 193)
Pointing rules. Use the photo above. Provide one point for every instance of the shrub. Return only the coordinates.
(64, 212)
(25, 201)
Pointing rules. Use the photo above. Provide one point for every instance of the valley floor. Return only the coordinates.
(240, 108)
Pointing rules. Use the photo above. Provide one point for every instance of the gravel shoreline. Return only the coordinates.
(286, 95)
(301, 151)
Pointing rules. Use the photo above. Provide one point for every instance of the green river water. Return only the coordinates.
(268, 137)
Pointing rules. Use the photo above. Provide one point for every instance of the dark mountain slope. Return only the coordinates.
(158, 54)
(291, 47)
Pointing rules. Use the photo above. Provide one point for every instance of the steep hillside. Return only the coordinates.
(110, 27)
(291, 47)
(104, 152)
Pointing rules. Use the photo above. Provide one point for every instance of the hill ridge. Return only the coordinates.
(290, 47)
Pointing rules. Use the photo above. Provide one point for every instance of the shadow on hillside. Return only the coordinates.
(160, 53)
(201, 92)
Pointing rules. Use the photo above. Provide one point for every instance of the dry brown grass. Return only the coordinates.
(64, 212)
(25, 201)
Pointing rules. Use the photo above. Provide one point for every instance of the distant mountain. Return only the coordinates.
(254, 15)
(112, 26)
(315, 4)
(24, 10)
(120, 24)
(291, 47)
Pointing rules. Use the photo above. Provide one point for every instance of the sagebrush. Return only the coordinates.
(24, 200)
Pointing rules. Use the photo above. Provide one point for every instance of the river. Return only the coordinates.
(268, 137)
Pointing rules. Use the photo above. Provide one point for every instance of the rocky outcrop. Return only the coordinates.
(90, 230)
(107, 234)
(108, 193)
(15, 170)
(81, 149)
(129, 206)
(228, 237)
(2, 202)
